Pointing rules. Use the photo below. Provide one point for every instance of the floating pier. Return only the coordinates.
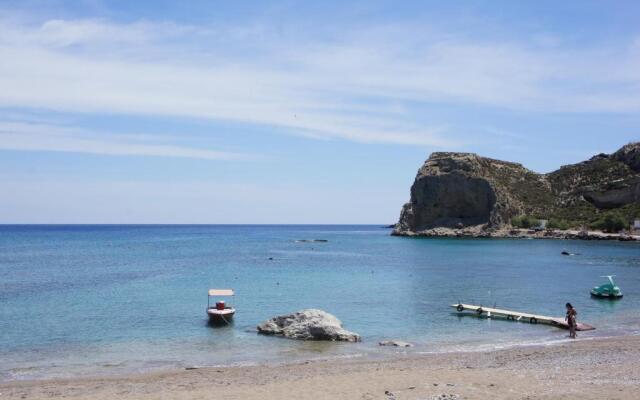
(518, 316)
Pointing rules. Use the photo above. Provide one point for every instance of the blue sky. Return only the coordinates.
(293, 112)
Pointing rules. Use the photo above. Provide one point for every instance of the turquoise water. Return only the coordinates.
(88, 300)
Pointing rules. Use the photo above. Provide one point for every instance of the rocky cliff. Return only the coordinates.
(462, 190)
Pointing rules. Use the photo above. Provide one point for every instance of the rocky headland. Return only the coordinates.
(466, 195)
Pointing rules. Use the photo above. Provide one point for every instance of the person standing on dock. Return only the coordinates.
(571, 320)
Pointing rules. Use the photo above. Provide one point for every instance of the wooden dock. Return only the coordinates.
(518, 316)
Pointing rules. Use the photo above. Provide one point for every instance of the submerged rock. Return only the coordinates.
(308, 324)
(395, 343)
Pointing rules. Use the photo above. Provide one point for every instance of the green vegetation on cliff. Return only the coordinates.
(525, 221)
(611, 221)
(584, 214)
(555, 223)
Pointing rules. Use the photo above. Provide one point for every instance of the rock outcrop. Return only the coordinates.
(308, 325)
(463, 191)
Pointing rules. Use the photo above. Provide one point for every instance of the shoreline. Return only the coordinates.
(373, 351)
(586, 368)
(516, 233)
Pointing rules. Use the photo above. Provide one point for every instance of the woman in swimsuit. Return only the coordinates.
(571, 320)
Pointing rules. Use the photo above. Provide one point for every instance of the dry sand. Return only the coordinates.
(582, 369)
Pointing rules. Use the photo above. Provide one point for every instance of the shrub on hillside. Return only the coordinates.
(524, 221)
(610, 222)
(556, 223)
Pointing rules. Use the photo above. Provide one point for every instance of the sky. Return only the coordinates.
(295, 112)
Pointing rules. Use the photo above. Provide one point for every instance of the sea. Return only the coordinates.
(94, 300)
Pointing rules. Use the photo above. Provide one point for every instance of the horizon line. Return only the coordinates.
(189, 224)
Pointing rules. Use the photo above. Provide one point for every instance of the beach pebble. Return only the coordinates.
(446, 396)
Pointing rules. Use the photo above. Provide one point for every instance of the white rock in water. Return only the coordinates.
(395, 343)
(308, 324)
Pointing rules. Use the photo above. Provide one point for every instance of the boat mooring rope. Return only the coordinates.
(225, 320)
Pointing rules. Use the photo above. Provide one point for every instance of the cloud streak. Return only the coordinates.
(345, 88)
(46, 137)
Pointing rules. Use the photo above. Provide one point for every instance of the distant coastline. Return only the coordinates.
(515, 233)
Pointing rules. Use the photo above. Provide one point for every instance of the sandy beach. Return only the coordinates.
(584, 369)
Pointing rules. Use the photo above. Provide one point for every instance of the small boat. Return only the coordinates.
(220, 313)
(607, 290)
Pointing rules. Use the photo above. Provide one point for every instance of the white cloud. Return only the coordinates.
(61, 33)
(349, 88)
(47, 137)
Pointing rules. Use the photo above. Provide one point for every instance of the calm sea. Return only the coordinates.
(92, 300)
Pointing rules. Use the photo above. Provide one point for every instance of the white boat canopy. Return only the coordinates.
(220, 292)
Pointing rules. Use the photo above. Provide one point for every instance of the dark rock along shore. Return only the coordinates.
(463, 194)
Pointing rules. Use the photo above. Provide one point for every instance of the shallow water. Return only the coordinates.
(109, 299)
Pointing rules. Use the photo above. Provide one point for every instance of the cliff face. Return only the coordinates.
(459, 190)
(604, 181)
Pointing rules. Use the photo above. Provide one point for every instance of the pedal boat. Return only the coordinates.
(607, 290)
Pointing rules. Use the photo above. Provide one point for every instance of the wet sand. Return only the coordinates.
(582, 369)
